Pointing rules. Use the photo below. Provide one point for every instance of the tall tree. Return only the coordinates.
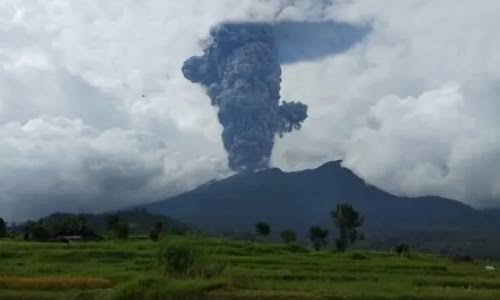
(262, 229)
(318, 237)
(3, 228)
(38, 232)
(71, 225)
(347, 220)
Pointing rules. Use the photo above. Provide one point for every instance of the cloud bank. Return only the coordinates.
(95, 112)
(59, 163)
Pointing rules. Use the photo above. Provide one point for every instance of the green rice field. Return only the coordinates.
(239, 270)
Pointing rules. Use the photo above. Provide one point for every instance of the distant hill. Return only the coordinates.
(298, 200)
(140, 221)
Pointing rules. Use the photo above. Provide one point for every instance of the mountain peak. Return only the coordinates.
(298, 200)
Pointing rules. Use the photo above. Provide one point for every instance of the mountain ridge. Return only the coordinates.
(300, 199)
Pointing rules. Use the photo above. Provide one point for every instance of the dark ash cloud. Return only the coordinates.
(300, 41)
(242, 74)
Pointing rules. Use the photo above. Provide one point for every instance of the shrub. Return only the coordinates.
(183, 258)
(178, 258)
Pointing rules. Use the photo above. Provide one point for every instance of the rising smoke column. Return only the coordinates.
(242, 74)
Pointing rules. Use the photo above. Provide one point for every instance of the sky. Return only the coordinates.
(95, 113)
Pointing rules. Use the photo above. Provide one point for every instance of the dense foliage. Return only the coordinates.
(318, 237)
(262, 229)
(3, 228)
(94, 226)
(347, 220)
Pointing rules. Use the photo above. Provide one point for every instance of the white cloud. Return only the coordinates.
(59, 163)
(430, 138)
(426, 145)
(116, 67)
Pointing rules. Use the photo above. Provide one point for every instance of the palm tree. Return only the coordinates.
(347, 220)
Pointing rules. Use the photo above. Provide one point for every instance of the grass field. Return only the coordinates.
(130, 270)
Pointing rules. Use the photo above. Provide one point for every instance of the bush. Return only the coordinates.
(178, 258)
(183, 258)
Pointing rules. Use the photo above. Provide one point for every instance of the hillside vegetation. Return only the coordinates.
(140, 222)
(131, 269)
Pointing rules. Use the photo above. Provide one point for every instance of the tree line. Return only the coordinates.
(60, 227)
(347, 220)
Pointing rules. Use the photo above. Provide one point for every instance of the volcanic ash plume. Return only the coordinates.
(242, 74)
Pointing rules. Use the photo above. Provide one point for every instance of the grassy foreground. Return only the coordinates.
(129, 270)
